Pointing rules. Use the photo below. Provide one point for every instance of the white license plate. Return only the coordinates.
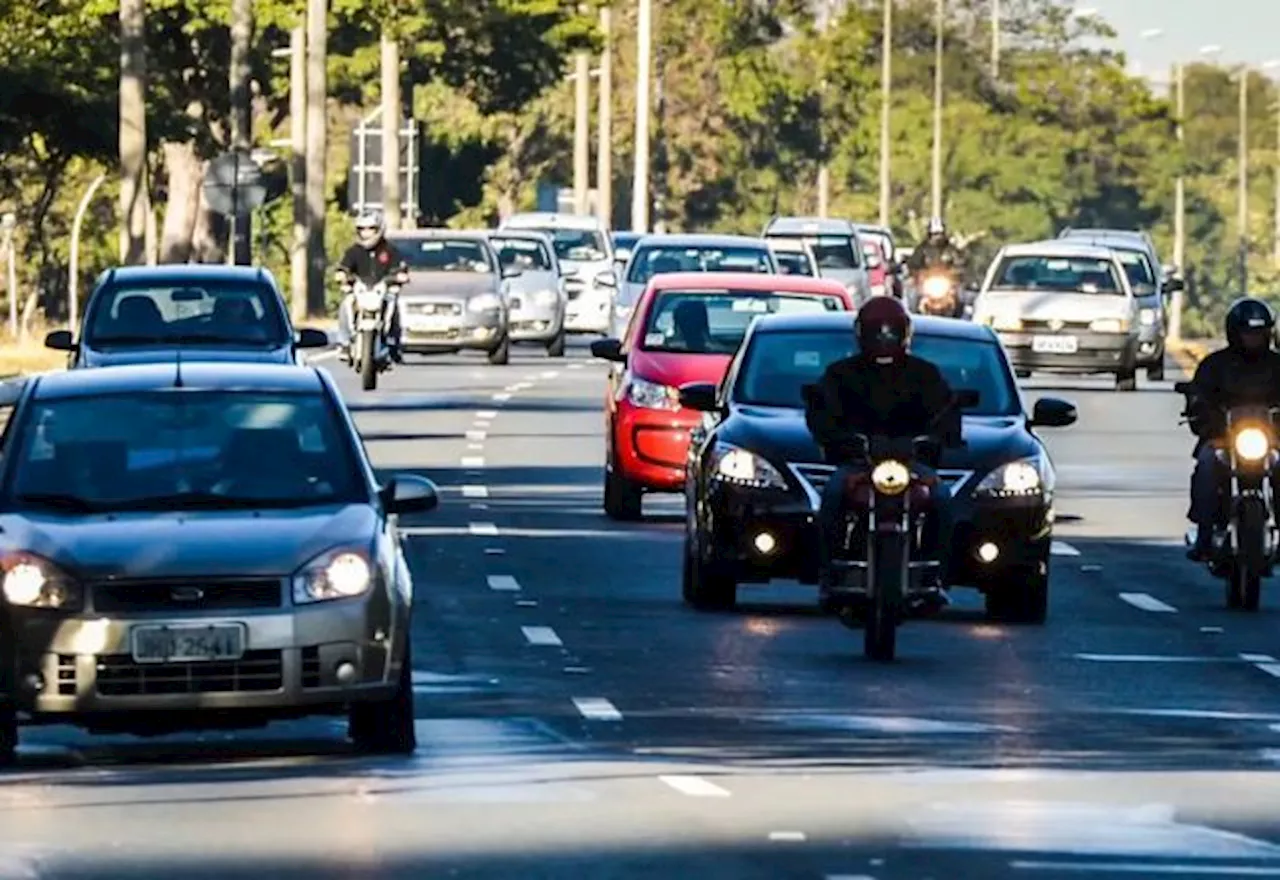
(430, 323)
(187, 644)
(1055, 344)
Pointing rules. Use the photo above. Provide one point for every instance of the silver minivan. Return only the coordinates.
(1063, 307)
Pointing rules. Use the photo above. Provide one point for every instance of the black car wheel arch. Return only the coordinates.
(1019, 594)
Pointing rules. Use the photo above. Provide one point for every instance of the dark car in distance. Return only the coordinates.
(755, 474)
(145, 314)
(196, 546)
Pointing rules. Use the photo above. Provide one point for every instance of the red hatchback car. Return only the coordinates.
(685, 328)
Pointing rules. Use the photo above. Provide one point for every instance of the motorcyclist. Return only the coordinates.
(935, 252)
(370, 259)
(1246, 372)
(881, 390)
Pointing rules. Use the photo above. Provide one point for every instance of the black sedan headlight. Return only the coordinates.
(335, 574)
(32, 581)
(1025, 478)
(741, 467)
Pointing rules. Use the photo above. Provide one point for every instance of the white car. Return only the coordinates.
(585, 252)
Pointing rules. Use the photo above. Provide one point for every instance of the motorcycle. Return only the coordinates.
(939, 295)
(1244, 550)
(371, 312)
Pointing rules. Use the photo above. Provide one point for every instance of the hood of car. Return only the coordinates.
(676, 369)
(206, 353)
(448, 285)
(1046, 305)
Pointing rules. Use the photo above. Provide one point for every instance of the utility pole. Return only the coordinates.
(1242, 196)
(886, 96)
(1275, 257)
(824, 170)
(240, 252)
(604, 133)
(644, 80)
(936, 199)
(995, 39)
(1179, 206)
(298, 166)
(581, 131)
(134, 199)
(391, 131)
(317, 140)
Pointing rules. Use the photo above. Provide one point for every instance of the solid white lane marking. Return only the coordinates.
(551, 374)
(487, 414)
(481, 528)
(475, 491)
(1062, 548)
(1150, 658)
(849, 877)
(597, 709)
(541, 635)
(502, 398)
(477, 435)
(472, 461)
(1258, 658)
(694, 786)
(1147, 602)
(1272, 669)
(788, 836)
(1148, 868)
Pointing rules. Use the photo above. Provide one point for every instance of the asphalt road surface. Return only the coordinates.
(576, 721)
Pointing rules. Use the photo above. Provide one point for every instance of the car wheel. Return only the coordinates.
(622, 498)
(1127, 380)
(707, 586)
(555, 348)
(8, 737)
(501, 356)
(386, 727)
(1021, 595)
(1155, 372)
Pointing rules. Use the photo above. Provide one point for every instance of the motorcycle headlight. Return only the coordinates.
(1147, 317)
(1252, 444)
(34, 582)
(369, 300)
(546, 297)
(1016, 479)
(1109, 325)
(743, 468)
(337, 574)
(651, 395)
(485, 302)
(936, 286)
(890, 477)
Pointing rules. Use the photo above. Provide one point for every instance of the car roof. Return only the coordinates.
(440, 232)
(552, 220)
(528, 234)
(921, 325)
(809, 225)
(717, 281)
(702, 240)
(1114, 241)
(1058, 247)
(196, 376)
(166, 272)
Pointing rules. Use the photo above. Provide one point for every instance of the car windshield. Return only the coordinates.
(1057, 274)
(578, 245)
(1138, 267)
(181, 311)
(778, 364)
(176, 449)
(524, 254)
(831, 251)
(704, 322)
(444, 255)
(792, 263)
(664, 260)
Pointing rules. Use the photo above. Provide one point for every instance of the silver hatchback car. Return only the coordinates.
(537, 297)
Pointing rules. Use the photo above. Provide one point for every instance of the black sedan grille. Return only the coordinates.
(815, 476)
(175, 596)
(256, 671)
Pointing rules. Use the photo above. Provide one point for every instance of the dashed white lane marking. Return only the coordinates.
(479, 507)
(1148, 868)
(1062, 548)
(550, 374)
(494, 551)
(576, 366)
(1150, 658)
(522, 386)
(502, 397)
(849, 877)
(504, 583)
(487, 414)
(542, 636)
(475, 491)
(483, 424)
(477, 435)
(788, 836)
(475, 447)
(480, 528)
(1272, 669)
(1147, 602)
(596, 709)
(472, 461)
(694, 786)
(1258, 658)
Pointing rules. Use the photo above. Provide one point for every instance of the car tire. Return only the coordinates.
(1127, 380)
(1021, 595)
(501, 356)
(8, 737)
(706, 586)
(386, 727)
(1155, 372)
(622, 498)
(555, 348)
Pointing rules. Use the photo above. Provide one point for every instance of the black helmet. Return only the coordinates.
(1250, 326)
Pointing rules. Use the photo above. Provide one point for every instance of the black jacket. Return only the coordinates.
(935, 254)
(858, 396)
(1225, 379)
(371, 266)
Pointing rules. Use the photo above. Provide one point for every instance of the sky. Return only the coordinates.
(1248, 31)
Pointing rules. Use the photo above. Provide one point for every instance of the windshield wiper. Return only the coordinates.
(131, 340)
(59, 501)
(224, 340)
(212, 501)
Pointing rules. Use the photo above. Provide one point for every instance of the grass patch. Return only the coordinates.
(20, 357)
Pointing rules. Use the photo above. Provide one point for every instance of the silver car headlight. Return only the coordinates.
(1147, 317)
(1023, 478)
(651, 395)
(1109, 325)
(32, 581)
(546, 298)
(485, 302)
(336, 574)
(731, 464)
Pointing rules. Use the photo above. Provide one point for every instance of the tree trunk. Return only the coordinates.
(133, 132)
(317, 141)
(241, 112)
(184, 171)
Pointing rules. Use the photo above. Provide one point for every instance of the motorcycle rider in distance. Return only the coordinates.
(881, 390)
(935, 253)
(370, 259)
(1246, 372)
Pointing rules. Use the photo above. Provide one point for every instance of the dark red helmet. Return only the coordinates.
(883, 328)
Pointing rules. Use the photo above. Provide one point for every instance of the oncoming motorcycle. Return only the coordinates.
(1244, 549)
(939, 295)
(372, 309)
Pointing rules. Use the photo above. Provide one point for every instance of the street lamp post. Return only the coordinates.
(886, 89)
(936, 199)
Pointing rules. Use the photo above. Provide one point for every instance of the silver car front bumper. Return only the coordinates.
(448, 324)
(532, 321)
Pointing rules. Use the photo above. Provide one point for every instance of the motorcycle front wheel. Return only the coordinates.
(368, 360)
(880, 640)
(1245, 587)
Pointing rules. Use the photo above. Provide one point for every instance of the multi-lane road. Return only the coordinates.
(575, 720)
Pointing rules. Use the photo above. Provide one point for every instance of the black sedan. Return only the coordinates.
(198, 546)
(755, 475)
(144, 314)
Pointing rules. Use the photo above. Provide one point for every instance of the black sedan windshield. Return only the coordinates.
(714, 322)
(177, 449)
(192, 312)
(778, 365)
(665, 260)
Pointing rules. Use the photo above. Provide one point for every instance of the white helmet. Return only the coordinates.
(370, 227)
(936, 226)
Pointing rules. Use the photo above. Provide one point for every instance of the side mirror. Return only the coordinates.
(1182, 387)
(1169, 269)
(607, 279)
(410, 494)
(1173, 285)
(510, 272)
(60, 340)
(1053, 412)
(700, 396)
(608, 350)
(310, 337)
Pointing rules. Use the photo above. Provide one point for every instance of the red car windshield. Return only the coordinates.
(715, 322)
